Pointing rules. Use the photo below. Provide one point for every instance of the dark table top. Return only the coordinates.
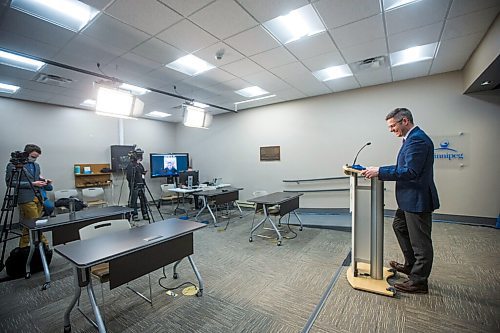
(275, 198)
(90, 252)
(219, 191)
(82, 215)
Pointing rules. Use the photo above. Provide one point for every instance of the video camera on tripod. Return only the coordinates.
(135, 154)
(19, 157)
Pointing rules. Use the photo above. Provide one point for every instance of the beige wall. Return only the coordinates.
(318, 135)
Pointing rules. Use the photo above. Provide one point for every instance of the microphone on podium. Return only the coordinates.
(357, 166)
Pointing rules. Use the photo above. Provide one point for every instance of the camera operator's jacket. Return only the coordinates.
(31, 173)
(135, 171)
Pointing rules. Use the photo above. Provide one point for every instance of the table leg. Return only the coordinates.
(46, 272)
(239, 208)
(213, 216)
(298, 218)
(198, 276)
(95, 308)
(33, 237)
(204, 199)
(76, 296)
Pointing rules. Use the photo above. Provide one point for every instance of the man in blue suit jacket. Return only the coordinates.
(416, 196)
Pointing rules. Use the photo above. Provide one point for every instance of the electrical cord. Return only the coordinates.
(164, 277)
(288, 224)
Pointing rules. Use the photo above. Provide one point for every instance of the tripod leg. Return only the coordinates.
(154, 202)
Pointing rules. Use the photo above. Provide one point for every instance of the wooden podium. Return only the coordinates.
(367, 207)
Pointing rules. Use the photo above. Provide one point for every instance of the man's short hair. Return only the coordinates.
(29, 148)
(400, 113)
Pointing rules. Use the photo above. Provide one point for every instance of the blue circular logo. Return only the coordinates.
(444, 144)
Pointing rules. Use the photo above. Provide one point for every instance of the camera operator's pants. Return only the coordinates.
(138, 192)
(30, 210)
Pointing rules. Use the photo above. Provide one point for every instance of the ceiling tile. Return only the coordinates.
(374, 77)
(253, 41)
(289, 94)
(97, 4)
(114, 33)
(346, 83)
(208, 54)
(265, 10)
(274, 58)
(461, 7)
(359, 32)
(410, 71)
(187, 36)
(31, 27)
(130, 65)
(209, 78)
(318, 44)
(337, 13)
(242, 67)
(370, 49)
(323, 61)
(471, 23)
(147, 15)
(21, 44)
(266, 81)
(85, 52)
(223, 19)
(185, 7)
(420, 36)
(17, 73)
(301, 78)
(417, 14)
(156, 50)
(454, 53)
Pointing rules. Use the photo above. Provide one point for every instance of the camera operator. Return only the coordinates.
(136, 183)
(30, 202)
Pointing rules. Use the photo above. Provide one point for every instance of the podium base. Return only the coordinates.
(366, 283)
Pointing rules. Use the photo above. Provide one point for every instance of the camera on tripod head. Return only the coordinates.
(19, 157)
(135, 154)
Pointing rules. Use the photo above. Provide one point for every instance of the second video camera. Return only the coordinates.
(136, 154)
(19, 157)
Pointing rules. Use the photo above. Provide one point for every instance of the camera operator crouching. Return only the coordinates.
(136, 184)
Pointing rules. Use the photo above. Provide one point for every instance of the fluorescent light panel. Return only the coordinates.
(134, 89)
(392, 4)
(8, 88)
(413, 54)
(69, 14)
(333, 73)
(14, 60)
(254, 99)
(190, 65)
(158, 114)
(251, 92)
(299, 23)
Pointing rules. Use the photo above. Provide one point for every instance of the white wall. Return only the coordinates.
(318, 135)
(69, 136)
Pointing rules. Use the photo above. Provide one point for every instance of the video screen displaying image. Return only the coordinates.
(168, 165)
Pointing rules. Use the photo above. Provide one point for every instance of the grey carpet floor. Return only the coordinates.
(261, 287)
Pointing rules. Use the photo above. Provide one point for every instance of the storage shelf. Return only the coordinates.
(94, 179)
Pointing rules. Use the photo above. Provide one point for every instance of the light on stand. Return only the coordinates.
(196, 117)
(118, 103)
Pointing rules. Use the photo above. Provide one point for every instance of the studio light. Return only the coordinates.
(118, 103)
(196, 117)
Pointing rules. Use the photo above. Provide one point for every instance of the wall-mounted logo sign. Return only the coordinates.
(451, 150)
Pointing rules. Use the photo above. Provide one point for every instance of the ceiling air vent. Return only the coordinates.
(53, 80)
(370, 64)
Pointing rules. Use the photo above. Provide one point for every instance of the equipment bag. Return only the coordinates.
(16, 262)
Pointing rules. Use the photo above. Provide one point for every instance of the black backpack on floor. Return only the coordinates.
(15, 264)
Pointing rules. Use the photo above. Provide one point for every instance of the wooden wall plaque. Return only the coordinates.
(270, 153)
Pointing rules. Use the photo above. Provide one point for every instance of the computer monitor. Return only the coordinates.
(185, 176)
(168, 165)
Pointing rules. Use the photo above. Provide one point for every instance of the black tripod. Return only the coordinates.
(140, 188)
(10, 203)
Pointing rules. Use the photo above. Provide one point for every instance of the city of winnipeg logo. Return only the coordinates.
(444, 152)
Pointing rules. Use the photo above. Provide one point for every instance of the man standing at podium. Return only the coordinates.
(416, 196)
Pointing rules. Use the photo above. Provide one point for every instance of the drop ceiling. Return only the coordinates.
(132, 41)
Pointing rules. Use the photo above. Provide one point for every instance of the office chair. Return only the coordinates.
(101, 271)
(94, 196)
(60, 194)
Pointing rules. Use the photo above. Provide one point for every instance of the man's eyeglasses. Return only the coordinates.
(397, 122)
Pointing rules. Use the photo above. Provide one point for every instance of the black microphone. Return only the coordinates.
(359, 167)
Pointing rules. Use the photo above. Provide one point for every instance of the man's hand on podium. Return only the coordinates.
(370, 172)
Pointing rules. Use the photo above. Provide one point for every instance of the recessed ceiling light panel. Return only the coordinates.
(8, 88)
(69, 14)
(14, 60)
(251, 92)
(413, 54)
(190, 65)
(333, 73)
(299, 23)
(392, 4)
